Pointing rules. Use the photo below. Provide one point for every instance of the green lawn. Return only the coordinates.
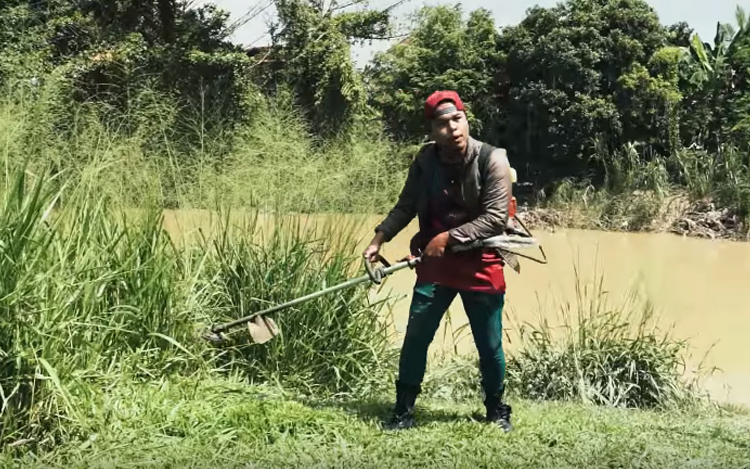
(217, 423)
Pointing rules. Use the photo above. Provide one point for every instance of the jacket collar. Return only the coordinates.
(473, 147)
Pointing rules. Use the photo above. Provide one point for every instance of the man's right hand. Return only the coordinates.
(372, 251)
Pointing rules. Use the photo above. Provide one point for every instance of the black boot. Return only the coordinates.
(498, 412)
(403, 413)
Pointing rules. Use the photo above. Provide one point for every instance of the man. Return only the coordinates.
(454, 204)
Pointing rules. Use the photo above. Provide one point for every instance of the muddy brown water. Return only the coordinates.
(697, 288)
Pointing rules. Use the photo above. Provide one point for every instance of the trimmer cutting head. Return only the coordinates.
(261, 330)
(215, 337)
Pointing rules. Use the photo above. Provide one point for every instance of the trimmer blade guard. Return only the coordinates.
(262, 329)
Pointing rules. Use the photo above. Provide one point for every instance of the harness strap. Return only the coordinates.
(510, 257)
(484, 161)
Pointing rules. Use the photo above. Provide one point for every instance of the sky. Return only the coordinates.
(701, 15)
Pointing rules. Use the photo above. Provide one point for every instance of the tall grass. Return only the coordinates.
(613, 355)
(600, 354)
(96, 291)
(91, 295)
(337, 342)
(724, 176)
(272, 162)
(642, 191)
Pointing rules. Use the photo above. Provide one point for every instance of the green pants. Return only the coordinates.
(484, 310)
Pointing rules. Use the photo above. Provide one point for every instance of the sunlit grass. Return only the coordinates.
(88, 291)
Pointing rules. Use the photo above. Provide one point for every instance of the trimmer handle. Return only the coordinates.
(376, 274)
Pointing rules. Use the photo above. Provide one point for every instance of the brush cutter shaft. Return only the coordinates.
(378, 273)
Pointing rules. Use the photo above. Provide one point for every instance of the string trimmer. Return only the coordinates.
(263, 329)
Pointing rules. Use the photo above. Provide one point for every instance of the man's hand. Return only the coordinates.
(372, 251)
(436, 247)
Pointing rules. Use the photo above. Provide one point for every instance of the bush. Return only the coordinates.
(334, 343)
(611, 356)
(601, 355)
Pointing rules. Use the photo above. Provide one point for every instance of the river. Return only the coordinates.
(695, 286)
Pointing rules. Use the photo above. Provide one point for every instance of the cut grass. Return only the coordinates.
(205, 422)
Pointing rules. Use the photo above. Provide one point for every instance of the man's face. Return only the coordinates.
(451, 130)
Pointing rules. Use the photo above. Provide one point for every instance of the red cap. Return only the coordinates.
(439, 96)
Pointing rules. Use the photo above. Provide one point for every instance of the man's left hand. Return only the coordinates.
(436, 247)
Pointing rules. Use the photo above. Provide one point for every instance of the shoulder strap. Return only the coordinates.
(484, 160)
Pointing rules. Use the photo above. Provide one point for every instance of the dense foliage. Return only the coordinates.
(129, 57)
(581, 72)
(561, 86)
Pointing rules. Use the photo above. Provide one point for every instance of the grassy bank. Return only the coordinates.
(101, 312)
(102, 361)
(692, 193)
(90, 293)
(208, 422)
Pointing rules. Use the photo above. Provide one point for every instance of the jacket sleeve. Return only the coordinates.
(495, 203)
(406, 207)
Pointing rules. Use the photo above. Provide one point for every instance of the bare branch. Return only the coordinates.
(381, 38)
(357, 2)
(399, 2)
(347, 5)
(251, 14)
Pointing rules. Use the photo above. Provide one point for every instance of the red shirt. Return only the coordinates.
(481, 271)
(471, 270)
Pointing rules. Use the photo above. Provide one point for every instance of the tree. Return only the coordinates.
(737, 105)
(715, 79)
(112, 51)
(579, 73)
(313, 41)
(443, 51)
(545, 89)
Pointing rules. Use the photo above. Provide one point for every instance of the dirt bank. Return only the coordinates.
(700, 219)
